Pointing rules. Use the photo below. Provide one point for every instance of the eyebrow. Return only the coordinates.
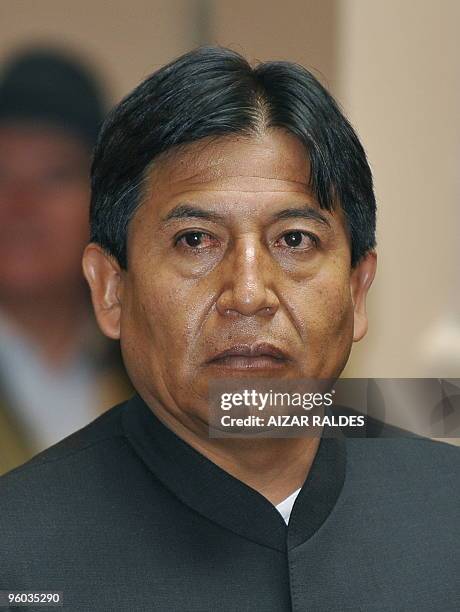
(187, 211)
(306, 212)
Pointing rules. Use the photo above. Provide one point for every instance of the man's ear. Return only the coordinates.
(103, 274)
(360, 281)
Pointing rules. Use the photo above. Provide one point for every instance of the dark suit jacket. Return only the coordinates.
(112, 386)
(124, 515)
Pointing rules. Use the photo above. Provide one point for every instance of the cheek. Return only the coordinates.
(65, 230)
(161, 316)
(341, 309)
(327, 314)
(68, 219)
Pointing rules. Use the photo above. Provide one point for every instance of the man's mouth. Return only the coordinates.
(260, 356)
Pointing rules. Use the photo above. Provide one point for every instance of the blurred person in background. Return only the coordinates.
(56, 369)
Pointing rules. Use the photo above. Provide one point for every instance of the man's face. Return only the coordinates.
(231, 248)
(44, 197)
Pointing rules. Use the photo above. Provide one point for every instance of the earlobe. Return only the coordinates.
(104, 278)
(360, 282)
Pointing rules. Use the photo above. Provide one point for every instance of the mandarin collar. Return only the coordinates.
(223, 499)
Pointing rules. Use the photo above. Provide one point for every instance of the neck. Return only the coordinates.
(275, 467)
(52, 322)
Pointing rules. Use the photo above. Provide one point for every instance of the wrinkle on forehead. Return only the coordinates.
(276, 156)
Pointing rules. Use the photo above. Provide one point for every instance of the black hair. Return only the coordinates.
(44, 85)
(213, 91)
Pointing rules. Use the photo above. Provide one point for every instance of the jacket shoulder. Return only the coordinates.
(414, 463)
(104, 428)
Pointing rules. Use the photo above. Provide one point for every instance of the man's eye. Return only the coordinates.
(301, 240)
(195, 240)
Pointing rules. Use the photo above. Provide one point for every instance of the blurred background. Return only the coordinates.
(393, 67)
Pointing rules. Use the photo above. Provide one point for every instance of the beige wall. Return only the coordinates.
(303, 31)
(399, 81)
(394, 67)
(125, 40)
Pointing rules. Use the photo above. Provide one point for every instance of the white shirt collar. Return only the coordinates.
(285, 507)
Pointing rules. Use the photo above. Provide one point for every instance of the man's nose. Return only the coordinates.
(247, 281)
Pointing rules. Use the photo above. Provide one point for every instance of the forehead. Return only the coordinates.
(35, 142)
(273, 162)
(240, 181)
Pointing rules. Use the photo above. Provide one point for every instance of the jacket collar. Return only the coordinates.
(209, 490)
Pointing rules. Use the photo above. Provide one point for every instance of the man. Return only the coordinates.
(56, 371)
(232, 228)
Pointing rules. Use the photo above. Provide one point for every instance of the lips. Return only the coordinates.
(245, 356)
